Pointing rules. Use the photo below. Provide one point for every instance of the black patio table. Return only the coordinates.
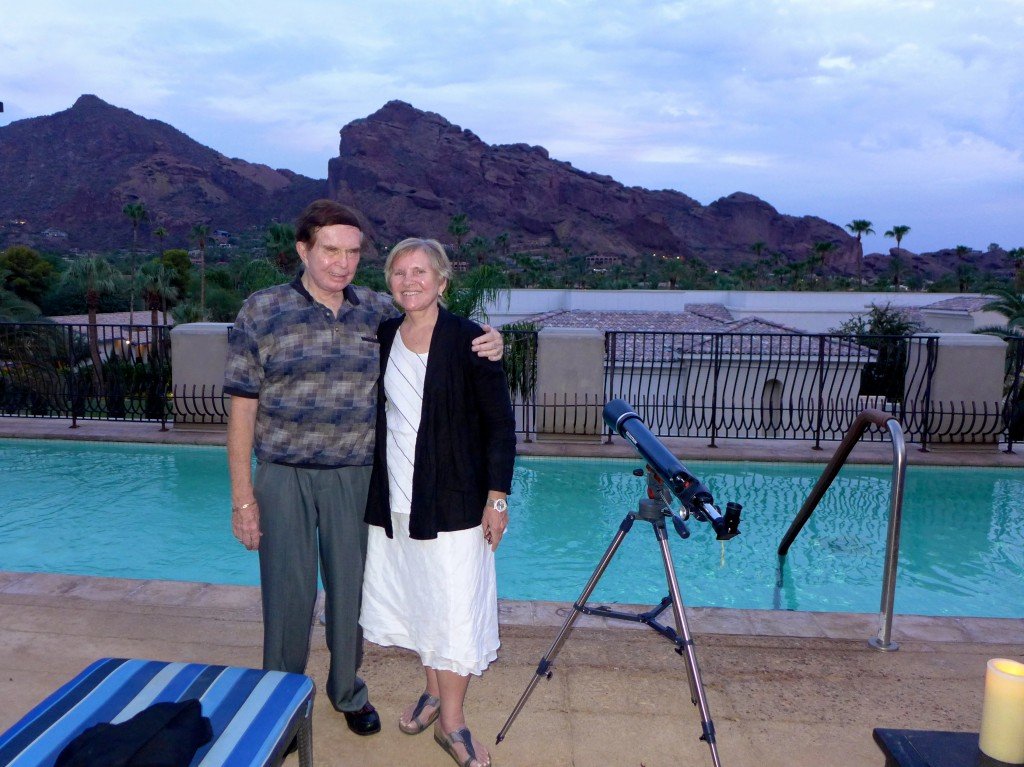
(931, 748)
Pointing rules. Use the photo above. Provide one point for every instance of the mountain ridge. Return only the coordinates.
(74, 171)
(387, 166)
(408, 171)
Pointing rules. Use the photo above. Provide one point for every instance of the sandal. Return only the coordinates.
(415, 726)
(447, 742)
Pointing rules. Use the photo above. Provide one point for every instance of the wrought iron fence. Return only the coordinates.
(705, 385)
(791, 386)
(206, 405)
(119, 372)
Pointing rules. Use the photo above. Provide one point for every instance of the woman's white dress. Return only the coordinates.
(437, 597)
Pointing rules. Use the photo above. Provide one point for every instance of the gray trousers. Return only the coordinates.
(303, 513)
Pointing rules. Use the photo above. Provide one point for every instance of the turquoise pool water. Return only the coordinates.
(145, 511)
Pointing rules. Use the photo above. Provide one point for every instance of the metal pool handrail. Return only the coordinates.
(892, 546)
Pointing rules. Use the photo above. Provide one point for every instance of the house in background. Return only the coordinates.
(119, 334)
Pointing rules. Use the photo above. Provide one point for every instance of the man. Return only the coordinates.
(302, 370)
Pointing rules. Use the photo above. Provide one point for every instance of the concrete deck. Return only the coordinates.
(783, 688)
(685, 449)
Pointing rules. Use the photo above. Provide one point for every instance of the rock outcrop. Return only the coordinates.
(410, 171)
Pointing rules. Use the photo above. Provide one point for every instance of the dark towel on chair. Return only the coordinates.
(163, 735)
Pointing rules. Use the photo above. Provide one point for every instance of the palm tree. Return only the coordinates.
(860, 227)
(158, 287)
(1010, 304)
(1016, 256)
(896, 268)
(161, 234)
(478, 247)
(672, 270)
(136, 212)
(821, 251)
(94, 276)
(201, 233)
(458, 227)
(963, 269)
(521, 359)
(964, 276)
(468, 294)
(502, 241)
(279, 241)
(898, 233)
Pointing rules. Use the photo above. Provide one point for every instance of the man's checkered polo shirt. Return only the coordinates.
(315, 375)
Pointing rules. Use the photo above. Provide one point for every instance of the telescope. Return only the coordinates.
(695, 498)
(666, 477)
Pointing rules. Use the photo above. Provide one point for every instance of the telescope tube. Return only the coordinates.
(691, 492)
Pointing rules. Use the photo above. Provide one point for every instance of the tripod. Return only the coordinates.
(653, 510)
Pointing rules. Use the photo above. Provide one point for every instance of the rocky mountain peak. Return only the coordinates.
(410, 171)
(73, 171)
(90, 101)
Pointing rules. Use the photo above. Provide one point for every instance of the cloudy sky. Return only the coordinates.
(896, 111)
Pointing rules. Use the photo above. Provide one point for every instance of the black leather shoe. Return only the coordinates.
(365, 721)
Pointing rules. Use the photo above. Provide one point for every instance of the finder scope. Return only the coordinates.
(691, 492)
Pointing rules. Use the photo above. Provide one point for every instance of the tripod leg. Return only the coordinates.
(544, 667)
(687, 649)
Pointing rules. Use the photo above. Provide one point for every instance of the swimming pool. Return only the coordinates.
(148, 511)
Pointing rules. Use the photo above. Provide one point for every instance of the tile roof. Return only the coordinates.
(711, 311)
(675, 322)
(141, 317)
(960, 304)
(646, 337)
(695, 318)
(113, 326)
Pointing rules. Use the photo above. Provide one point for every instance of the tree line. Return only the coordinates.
(182, 284)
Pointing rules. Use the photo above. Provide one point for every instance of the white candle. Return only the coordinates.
(1002, 715)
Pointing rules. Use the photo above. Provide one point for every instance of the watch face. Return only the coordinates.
(499, 504)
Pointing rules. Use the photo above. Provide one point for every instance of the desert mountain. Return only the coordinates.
(75, 170)
(410, 171)
(407, 170)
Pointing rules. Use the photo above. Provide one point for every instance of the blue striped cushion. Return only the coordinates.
(252, 712)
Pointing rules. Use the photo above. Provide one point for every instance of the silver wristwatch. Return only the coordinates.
(500, 505)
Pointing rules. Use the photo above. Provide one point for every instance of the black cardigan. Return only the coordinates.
(466, 442)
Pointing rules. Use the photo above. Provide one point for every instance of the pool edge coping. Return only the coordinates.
(243, 603)
(687, 448)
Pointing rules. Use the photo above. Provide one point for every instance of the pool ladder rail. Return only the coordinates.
(867, 418)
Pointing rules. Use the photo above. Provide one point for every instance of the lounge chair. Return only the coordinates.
(254, 715)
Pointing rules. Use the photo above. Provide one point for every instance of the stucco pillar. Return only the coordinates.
(570, 383)
(198, 353)
(966, 396)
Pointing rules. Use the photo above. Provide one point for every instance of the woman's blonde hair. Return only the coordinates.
(435, 254)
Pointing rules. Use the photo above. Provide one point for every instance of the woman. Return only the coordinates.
(437, 508)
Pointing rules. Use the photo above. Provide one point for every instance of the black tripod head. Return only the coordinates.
(691, 492)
